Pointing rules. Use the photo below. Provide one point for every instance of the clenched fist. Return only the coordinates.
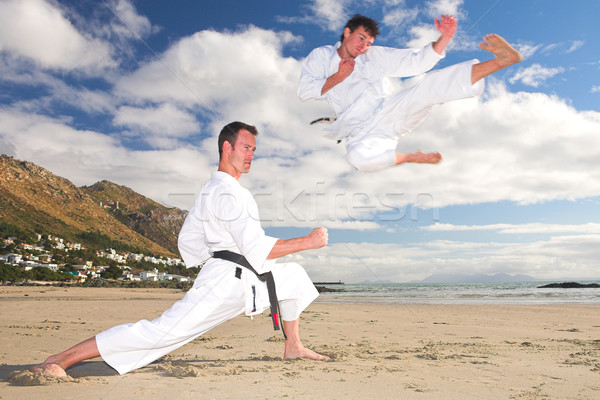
(318, 238)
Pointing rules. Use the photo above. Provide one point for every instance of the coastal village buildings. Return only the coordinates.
(40, 255)
(155, 275)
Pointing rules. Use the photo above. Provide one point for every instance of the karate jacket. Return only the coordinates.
(359, 97)
(225, 217)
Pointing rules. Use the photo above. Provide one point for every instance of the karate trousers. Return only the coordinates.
(208, 303)
(373, 147)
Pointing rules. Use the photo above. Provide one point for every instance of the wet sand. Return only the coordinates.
(377, 351)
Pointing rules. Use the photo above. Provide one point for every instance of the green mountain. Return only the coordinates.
(37, 201)
(148, 218)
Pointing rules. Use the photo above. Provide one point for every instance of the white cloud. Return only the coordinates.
(157, 123)
(85, 157)
(39, 31)
(535, 75)
(332, 12)
(209, 68)
(527, 49)
(529, 147)
(575, 45)
(131, 24)
(329, 15)
(399, 16)
(559, 257)
(531, 228)
(543, 151)
(422, 35)
(561, 47)
(435, 8)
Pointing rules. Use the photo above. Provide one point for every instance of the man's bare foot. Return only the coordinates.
(49, 368)
(505, 54)
(300, 351)
(418, 157)
(422, 158)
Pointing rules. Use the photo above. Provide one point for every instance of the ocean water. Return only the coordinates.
(522, 293)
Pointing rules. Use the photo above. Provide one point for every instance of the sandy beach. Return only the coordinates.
(377, 351)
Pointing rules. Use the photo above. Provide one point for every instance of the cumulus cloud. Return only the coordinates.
(85, 157)
(527, 49)
(440, 7)
(422, 35)
(518, 228)
(535, 75)
(487, 156)
(331, 11)
(131, 24)
(156, 124)
(414, 26)
(329, 15)
(559, 257)
(37, 30)
(209, 69)
(399, 17)
(529, 147)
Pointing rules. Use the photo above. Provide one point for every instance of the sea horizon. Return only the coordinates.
(501, 293)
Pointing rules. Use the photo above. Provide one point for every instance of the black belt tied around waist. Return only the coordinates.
(266, 277)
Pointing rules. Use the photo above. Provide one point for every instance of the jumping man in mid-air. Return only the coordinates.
(350, 77)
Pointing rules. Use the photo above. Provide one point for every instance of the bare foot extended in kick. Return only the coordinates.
(505, 54)
(418, 157)
(295, 350)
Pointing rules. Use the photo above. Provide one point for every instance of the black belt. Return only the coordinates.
(266, 277)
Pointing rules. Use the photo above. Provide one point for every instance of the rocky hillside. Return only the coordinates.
(38, 201)
(148, 218)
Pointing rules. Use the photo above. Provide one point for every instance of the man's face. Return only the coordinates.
(243, 152)
(355, 43)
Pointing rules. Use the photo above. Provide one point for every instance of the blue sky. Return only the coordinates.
(135, 92)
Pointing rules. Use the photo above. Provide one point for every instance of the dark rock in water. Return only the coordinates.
(570, 285)
(323, 289)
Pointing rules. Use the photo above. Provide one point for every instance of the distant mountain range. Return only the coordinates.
(466, 278)
(37, 201)
(476, 278)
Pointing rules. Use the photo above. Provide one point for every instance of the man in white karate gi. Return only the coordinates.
(224, 218)
(350, 77)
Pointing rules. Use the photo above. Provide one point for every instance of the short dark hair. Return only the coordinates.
(229, 133)
(370, 25)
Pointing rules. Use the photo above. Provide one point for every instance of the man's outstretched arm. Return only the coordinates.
(314, 240)
(447, 28)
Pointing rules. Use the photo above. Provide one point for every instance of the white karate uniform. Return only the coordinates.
(224, 217)
(370, 119)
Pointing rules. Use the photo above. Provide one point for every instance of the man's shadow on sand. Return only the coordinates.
(98, 368)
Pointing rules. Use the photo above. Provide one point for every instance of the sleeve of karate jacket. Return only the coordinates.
(403, 63)
(314, 74)
(239, 215)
